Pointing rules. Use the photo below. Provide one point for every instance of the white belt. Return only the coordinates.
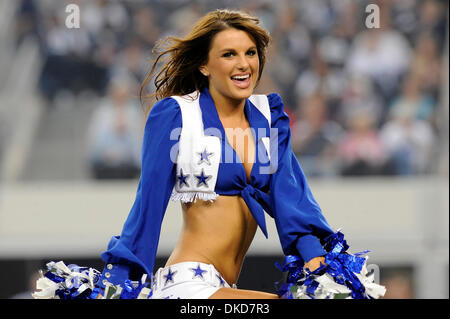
(188, 272)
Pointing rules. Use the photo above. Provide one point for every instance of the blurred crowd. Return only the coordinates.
(362, 101)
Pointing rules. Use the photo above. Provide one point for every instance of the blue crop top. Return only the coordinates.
(284, 194)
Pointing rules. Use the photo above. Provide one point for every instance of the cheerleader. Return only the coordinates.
(224, 153)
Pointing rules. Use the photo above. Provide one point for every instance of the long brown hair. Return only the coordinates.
(180, 74)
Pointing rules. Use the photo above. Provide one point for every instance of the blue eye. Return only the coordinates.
(229, 54)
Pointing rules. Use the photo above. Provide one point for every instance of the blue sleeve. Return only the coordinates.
(298, 218)
(134, 251)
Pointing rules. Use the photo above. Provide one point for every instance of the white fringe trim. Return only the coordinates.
(187, 197)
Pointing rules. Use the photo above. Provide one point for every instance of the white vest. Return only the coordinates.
(198, 154)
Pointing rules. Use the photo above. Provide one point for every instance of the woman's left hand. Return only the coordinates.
(315, 263)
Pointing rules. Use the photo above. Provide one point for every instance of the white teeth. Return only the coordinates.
(241, 77)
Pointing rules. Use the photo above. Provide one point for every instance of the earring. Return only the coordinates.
(202, 71)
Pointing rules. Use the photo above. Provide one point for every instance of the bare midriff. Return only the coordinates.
(217, 233)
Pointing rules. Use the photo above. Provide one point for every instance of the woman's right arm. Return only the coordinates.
(134, 251)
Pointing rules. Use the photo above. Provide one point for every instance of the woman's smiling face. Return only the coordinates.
(233, 65)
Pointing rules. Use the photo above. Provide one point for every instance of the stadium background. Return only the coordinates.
(369, 118)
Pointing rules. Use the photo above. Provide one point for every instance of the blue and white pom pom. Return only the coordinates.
(344, 276)
(75, 282)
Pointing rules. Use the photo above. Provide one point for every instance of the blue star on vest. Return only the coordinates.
(221, 281)
(169, 276)
(202, 178)
(182, 179)
(204, 157)
(198, 272)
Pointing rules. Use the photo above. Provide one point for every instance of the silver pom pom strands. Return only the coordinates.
(75, 282)
(344, 276)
